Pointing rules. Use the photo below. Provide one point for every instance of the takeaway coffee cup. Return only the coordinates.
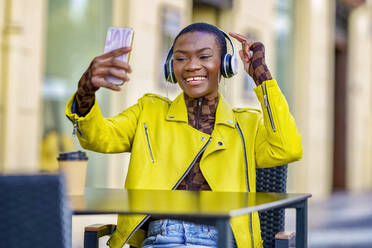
(74, 166)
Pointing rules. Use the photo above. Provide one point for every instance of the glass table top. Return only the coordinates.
(178, 202)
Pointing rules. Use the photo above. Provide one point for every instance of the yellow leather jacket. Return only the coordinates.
(164, 147)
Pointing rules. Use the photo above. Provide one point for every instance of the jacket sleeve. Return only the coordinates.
(278, 141)
(106, 135)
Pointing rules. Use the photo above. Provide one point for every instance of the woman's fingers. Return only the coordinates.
(241, 38)
(111, 71)
(111, 86)
(103, 83)
(246, 51)
(246, 41)
(244, 57)
(246, 45)
(115, 53)
(118, 74)
(112, 62)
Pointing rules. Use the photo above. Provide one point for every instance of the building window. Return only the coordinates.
(76, 33)
(170, 25)
(284, 46)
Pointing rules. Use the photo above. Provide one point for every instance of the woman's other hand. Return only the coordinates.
(101, 67)
(253, 57)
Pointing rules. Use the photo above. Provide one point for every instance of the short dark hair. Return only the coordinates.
(207, 28)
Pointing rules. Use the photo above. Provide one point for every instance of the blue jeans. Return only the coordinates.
(177, 233)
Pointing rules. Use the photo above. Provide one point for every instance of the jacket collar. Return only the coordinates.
(178, 111)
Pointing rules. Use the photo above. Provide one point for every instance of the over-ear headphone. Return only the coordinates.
(229, 63)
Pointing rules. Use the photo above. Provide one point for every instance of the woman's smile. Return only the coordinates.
(195, 81)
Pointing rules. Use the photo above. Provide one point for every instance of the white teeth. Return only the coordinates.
(194, 78)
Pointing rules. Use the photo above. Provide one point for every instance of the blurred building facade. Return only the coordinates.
(319, 51)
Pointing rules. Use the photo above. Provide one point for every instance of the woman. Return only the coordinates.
(196, 142)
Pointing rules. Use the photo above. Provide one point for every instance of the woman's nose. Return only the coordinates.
(193, 64)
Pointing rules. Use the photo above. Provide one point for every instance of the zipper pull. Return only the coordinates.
(267, 105)
(266, 102)
(74, 131)
(76, 128)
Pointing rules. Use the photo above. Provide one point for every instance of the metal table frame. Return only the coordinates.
(225, 240)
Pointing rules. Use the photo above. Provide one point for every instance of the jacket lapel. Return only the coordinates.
(177, 110)
(224, 118)
(224, 113)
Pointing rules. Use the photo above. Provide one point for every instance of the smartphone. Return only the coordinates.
(117, 38)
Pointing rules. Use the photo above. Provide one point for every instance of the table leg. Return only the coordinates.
(224, 233)
(301, 224)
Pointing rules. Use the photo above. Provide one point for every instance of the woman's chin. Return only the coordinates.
(194, 95)
(198, 94)
(197, 89)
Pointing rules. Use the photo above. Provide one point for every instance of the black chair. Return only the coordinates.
(272, 221)
(34, 212)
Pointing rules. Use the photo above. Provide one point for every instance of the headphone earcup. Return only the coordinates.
(172, 77)
(234, 65)
(229, 66)
(165, 69)
(226, 66)
(168, 72)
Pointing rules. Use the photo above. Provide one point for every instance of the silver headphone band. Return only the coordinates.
(231, 43)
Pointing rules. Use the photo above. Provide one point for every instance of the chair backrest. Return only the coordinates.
(272, 221)
(33, 212)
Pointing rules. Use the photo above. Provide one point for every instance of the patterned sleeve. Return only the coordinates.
(85, 95)
(258, 69)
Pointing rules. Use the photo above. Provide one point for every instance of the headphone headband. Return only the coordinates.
(229, 63)
(229, 39)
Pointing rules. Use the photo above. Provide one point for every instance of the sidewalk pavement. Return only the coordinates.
(343, 220)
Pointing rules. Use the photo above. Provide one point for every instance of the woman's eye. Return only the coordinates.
(205, 56)
(179, 59)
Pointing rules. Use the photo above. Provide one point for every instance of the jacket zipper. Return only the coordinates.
(245, 156)
(247, 179)
(148, 142)
(200, 100)
(267, 105)
(192, 164)
(135, 229)
(175, 186)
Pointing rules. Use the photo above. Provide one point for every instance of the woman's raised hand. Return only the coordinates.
(253, 57)
(245, 53)
(101, 67)
(94, 77)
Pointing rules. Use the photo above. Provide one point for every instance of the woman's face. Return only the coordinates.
(196, 64)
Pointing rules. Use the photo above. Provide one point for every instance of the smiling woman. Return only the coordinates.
(195, 142)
